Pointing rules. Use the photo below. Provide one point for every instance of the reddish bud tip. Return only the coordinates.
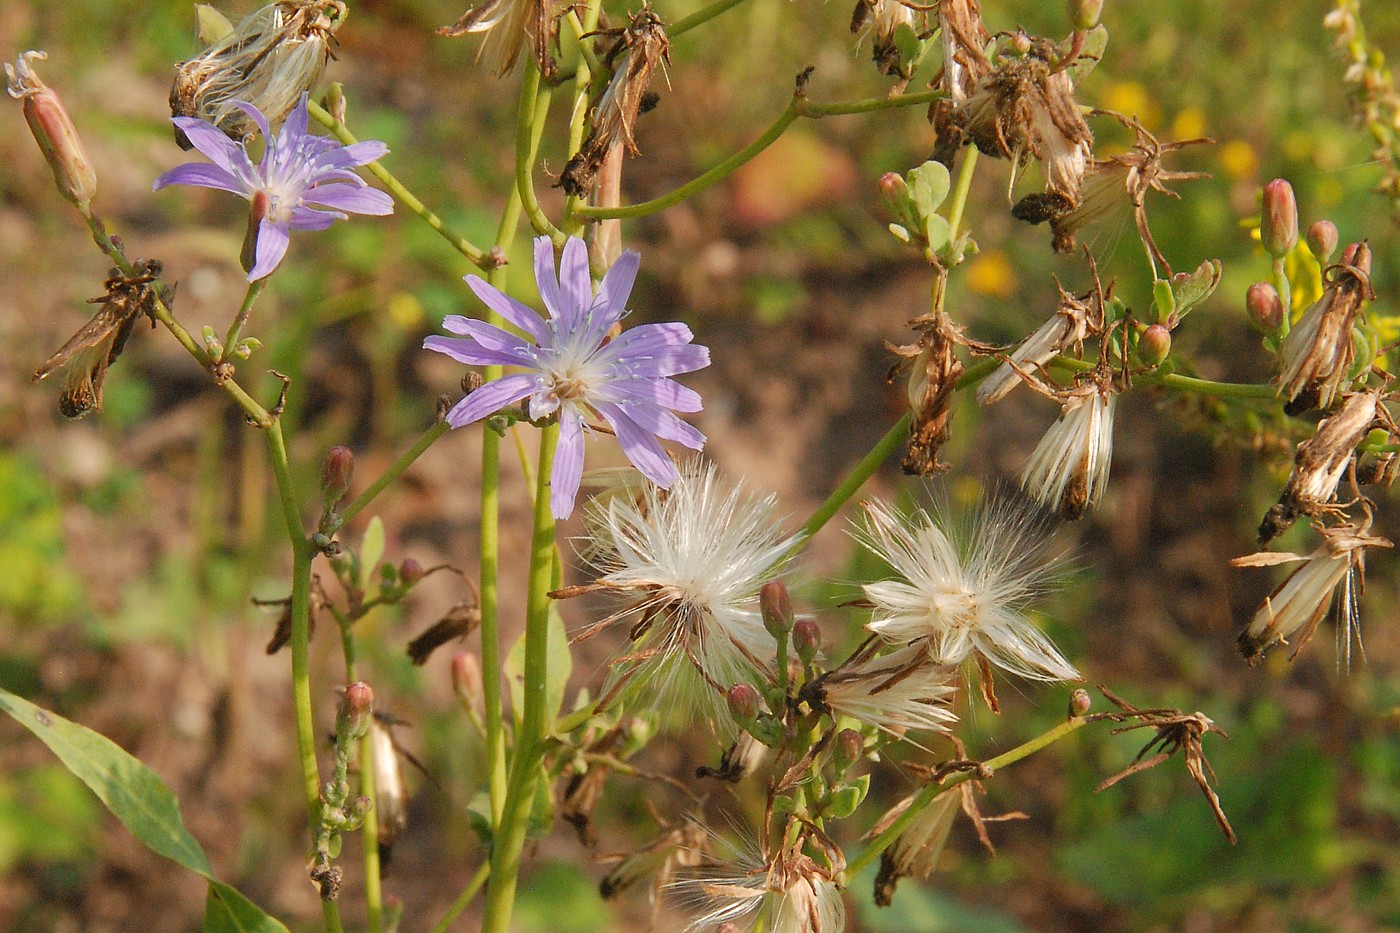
(356, 708)
(776, 606)
(1278, 219)
(850, 745)
(743, 702)
(1264, 306)
(1322, 239)
(895, 193)
(1079, 702)
(1154, 345)
(410, 571)
(54, 131)
(806, 639)
(1085, 14)
(336, 472)
(1359, 256)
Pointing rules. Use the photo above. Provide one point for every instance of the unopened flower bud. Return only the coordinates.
(356, 710)
(466, 679)
(1322, 239)
(1021, 43)
(807, 639)
(1358, 255)
(1085, 14)
(360, 807)
(336, 471)
(850, 745)
(53, 131)
(776, 606)
(1154, 345)
(410, 571)
(1278, 219)
(1264, 305)
(743, 702)
(894, 192)
(1079, 702)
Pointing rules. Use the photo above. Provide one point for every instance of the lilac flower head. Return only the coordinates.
(572, 369)
(297, 170)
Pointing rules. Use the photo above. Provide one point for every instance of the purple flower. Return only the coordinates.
(297, 170)
(572, 368)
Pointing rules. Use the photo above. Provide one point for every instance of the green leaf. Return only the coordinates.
(1164, 299)
(542, 807)
(1095, 42)
(928, 186)
(140, 800)
(213, 25)
(560, 664)
(1191, 290)
(371, 551)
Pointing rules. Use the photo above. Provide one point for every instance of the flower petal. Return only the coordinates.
(657, 350)
(257, 117)
(212, 143)
(665, 425)
(201, 175)
(294, 127)
(489, 336)
(641, 447)
(271, 247)
(521, 315)
(617, 283)
(350, 198)
(545, 280)
(568, 464)
(490, 399)
(360, 153)
(469, 352)
(306, 218)
(663, 392)
(575, 284)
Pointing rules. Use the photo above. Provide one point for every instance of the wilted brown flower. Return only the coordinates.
(1075, 318)
(458, 622)
(1315, 358)
(642, 47)
(680, 845)
(509, 25)
(99, 342)
(268, 60)
(879, 20)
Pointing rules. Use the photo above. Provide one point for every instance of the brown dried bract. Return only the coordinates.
(99, 342)
(509, 25)
(1317, 355)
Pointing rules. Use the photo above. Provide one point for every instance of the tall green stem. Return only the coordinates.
(530, 116)
(509, 840)
(463, 899)
(241, 318)
(861, 472)
(394, 471)
(960, 190)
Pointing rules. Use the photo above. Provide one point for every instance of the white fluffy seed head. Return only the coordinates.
(1068, 471)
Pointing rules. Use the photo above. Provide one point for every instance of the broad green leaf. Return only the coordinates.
(560, 664)
(936, 231)
(542, 807)
(213, 25)
(1164, 298)
(845, 801)
(227, 911)
(371, 551)
(1190, 290)
(928, 186)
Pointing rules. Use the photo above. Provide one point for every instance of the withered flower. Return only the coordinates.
(642, 47)
(1316, 356)
(964, 38)
(390, 792)
(1074, 319)
(680, 845)
(99, 342)
(53, 130)
(1331, 577)
(1023, 109)
(1106, 184)
(879, 20)
(267, 61)
(896, 692)
(458, 622)
(933, 369)
(509, 25)
(1176, 731)
(1320, 462)
(1068, 471)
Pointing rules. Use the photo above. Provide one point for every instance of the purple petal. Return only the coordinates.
(490, 399)
(305, 218)
(201, 175)
(661, 392)
(665, 425)
(641, 447)
(361, 153)
(575, 283)
(272, 246)
(544, 278)
(294, 127)
(489, 336)
(568, 464)
(521, 315)
(350, 198)
(212, 143)
(257, 117)
(469, 352)
(617, 283)
(656, 350)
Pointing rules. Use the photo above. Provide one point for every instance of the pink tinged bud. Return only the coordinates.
(1085, 14)
(1322, 239)
(466, 679)
(776, 606)
(1265, 307)
(1079, 702)
(806, 639)
(352, 719)
(743, 703)
(894, 191)
(336, 472)
(260, 206)
(1278, 219)
(1359, 256)
(850, 745)
(53, 131)
(410, 571)
(1154, 345)
(1021, 43)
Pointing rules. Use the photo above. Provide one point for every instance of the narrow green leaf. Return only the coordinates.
(213, 25)
(227, 911)
(1095, 42)
(371, 551)
(560, 665)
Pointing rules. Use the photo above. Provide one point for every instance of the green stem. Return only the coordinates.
(509, 840)
(932, 790)
(530, 117)
(861, 472)
(463, 899)
(960, 190)
(482, 260)
(1285, 293)
(1180, 383)
(241, 318)
(701, 17)
(799, 107)
(394, 471)
(369, 829)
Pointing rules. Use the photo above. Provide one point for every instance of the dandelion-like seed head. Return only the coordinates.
(1068, 470)
(790, 894)
(962, 589)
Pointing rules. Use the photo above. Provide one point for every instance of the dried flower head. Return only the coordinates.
(509, 26)
(961, 590)
(879, 21)
(99, 342)
(896, 692)
(1331, 577)
(1320, 462)
(641, 49)
(573, 368)
(1316, 357)
(268, 61)
(964, 39)
(690, 561)
(791, 893)
(1074, 319)
(1068, 470)
(933, 369)
(680, 845)
(1109, 184)
(302, 181)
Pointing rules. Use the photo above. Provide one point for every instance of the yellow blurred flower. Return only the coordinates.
(405, 311)
(1239, 160)
(990, 273)
(1131, 98)
(1189, 124)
